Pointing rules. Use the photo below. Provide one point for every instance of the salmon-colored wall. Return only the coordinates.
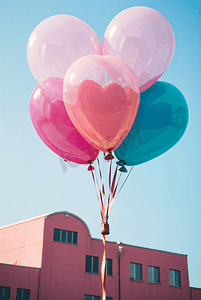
(196, 294)
(20, 277)
(21, 243)
(62, 274)
(63, 265)
(143, 290)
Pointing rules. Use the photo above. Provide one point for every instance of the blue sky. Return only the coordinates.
(160, 205)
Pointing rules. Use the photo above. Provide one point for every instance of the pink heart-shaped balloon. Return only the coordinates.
(105, 114)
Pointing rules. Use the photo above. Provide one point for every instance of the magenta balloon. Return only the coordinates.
(56, 43)
(143, 38)
(53, 125)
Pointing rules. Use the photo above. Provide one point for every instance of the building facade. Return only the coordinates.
(54, 257)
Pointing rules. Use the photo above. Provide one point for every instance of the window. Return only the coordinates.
(175, 279)
(23, 294)
(108, 266)
(136, 271)
(65, 236)
(89, 297)
(4, 293)
(92, 264)
(153, 274)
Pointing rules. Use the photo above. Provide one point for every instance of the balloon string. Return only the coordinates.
(99, 198)
(111, 192)
(103, 271)
(101, 178)
(112, 198)
(125, 180)
(110, 171)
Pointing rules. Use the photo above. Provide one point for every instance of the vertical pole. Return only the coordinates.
(119, 255)
(119, 277)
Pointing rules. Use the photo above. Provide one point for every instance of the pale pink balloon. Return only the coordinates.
(143, 38)
(56, 43)
(101, 95)
(53, 125)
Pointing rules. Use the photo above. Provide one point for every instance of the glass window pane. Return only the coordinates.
(171, 276)
(1, 291)
(75, 238)
(6, 293)
(95, 264)
(87, 297)
(26, 294)
(131, 271)
(138, 272)
(177, 278)
(150, 274)
(156, 275)
(19, 294)
(96, 297)
(63, 236)
(69, 240)
(88, 263)
(109, 267)
(108, 298)
(56, 235)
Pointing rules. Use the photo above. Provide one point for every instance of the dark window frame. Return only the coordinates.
(7, 289)
(20, 294)
(92, 264)
(109, 267)
(135, 271)
(174, 279)
(65, 236)
(91, 297)
(154, 269)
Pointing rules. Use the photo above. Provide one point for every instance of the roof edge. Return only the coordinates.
(24, 221)
(124, 244)
(69, 213)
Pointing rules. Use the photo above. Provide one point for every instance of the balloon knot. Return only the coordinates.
(119, 163)
(109, 157)
(90, 168)
(65, 160)
(123, 169)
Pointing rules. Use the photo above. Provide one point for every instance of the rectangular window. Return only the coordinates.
(153, 274)
(108, 266)
(89, 297)
(65, 236)
(56, 235)
(4, 293)
(136, 271)
(175, 279)
(92, 264)
(23, 294)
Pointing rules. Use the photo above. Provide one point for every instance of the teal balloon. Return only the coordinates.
(161, 121)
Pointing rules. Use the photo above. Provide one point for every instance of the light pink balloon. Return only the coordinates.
(56, 43)
(143, 38)
(53, 125)
(101, 96)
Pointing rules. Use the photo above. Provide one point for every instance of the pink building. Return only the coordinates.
(54, 257)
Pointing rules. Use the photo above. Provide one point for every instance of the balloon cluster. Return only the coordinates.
(88, 96)
(91, 98)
